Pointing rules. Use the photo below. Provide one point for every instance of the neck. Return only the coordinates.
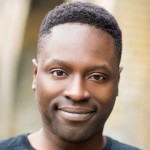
(45, 140)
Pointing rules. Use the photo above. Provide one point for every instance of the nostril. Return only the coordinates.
(67, 97)
(77, 99)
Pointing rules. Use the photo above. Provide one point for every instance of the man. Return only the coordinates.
(76, 77)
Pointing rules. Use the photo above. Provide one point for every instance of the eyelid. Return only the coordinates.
(100, 74)
(58, 69)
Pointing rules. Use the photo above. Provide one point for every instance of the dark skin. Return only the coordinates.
(76, 80)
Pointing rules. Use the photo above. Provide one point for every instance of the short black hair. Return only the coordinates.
(85, 13)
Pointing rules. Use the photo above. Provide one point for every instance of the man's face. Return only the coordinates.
(76, 81)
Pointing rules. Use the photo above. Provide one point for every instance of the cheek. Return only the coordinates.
(46, 90)
(105, 94)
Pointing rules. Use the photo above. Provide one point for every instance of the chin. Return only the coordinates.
(77, 134)
(75, 137)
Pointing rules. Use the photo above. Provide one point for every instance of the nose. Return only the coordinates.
(76, 90)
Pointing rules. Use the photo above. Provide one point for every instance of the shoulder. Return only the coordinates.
(114, 144)
(14, 143)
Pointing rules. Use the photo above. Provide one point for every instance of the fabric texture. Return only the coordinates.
(21, 142)
(115, 145)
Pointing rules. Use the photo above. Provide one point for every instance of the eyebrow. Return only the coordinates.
(58, 62)
(90, 68)
(100, 67)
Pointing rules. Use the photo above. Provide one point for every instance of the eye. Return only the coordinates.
(59, 73)
(98, 77)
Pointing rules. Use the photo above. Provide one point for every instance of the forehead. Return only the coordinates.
(81, 41)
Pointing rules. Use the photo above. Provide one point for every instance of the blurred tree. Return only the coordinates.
(13, 15)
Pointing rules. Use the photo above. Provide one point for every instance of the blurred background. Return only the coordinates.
(19, 25)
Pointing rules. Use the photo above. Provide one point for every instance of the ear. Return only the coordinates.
(35, 69)
(120, 70)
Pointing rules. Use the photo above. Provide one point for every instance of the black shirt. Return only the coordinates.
(21, 142)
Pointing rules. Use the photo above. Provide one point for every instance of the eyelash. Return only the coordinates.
(63, 74)
(101, 77)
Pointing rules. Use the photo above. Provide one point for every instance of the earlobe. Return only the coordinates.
(34, 85)
(120, 69)
(35, 68)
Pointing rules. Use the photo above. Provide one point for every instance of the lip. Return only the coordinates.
(76, 113)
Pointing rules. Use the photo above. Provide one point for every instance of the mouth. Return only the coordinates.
(76, 113)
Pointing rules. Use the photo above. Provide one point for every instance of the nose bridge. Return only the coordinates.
(76, 90)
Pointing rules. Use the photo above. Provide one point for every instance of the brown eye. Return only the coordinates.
(58, 73)
(97, 77)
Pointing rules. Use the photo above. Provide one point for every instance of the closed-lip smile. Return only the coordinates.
(76, 113)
